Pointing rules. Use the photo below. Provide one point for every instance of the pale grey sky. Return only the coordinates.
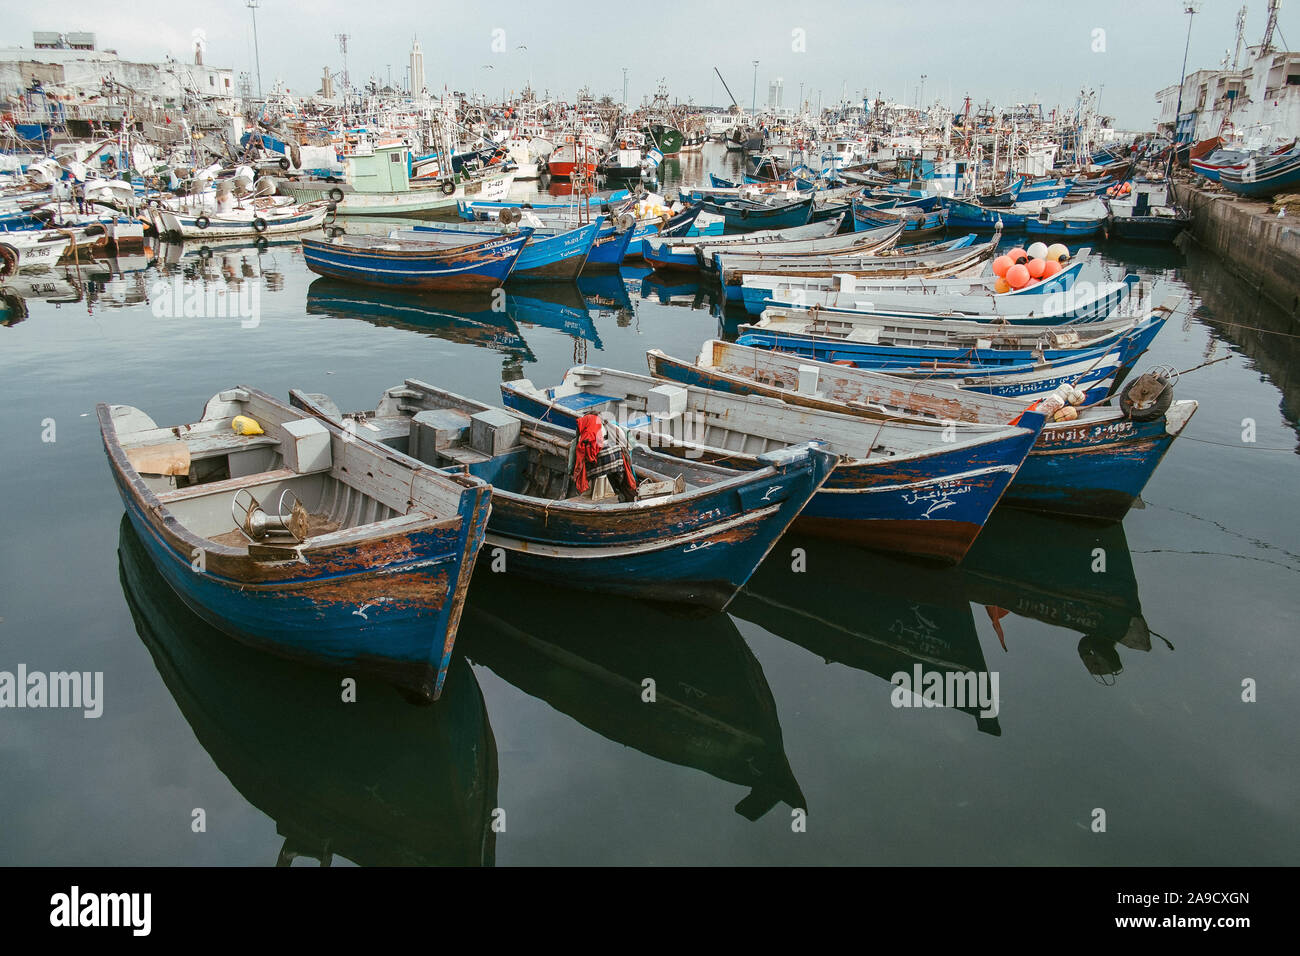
(1006, 51)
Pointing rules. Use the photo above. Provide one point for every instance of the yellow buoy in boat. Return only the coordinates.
(243, 425)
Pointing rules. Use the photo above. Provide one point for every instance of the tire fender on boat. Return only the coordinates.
(202, 222)
(8, 259)
(448, 188)
(259, 225)
(1148, 396)
(336, 194)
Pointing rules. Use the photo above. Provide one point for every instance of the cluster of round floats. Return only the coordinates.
(1017, 268)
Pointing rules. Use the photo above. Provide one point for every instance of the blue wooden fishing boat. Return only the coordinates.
(1046, 304)
(1045, 189)
(1012, 372)
(1070, 222)
(558, 253)
(697, 252)
(745, 214)
(1263, 177)
(689, 532)
(970, 215)
(1094, 466)
(1005, 198)
(916, 222)
(609, 248)
(283, 532)
(761, 290)
(896, 488)
(452, 263)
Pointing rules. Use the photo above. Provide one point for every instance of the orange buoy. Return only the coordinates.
(1001, 285)
(1018, 276)
(1000, 265)
(1036, 268)
(1050, 268)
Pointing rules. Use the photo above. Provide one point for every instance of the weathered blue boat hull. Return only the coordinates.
(701, 552)
(477, 269)
(640, 233)
(559, 256)
(1135, 341)
(932, 506)
(1065, 229)
(1083, 469)
(331, 620)
(609, 249)
(1090, 471)
(740, 216)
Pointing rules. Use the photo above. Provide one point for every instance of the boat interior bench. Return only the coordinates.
(499, 448)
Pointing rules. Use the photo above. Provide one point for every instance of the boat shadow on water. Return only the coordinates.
(885, 616)
(460, 317)
(378, 781)
(712, 708)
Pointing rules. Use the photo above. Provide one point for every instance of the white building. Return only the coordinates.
(80, 74)
(1256, 106)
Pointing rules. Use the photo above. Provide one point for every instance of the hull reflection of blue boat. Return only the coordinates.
(376, 781)
(714, 710)
(604, 291)
(468, 318)
(873, 613)
(564, 312)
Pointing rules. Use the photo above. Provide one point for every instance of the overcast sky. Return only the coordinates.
(1005, 52)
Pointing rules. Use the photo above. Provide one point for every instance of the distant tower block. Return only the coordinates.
(417, 68)
(775, 93)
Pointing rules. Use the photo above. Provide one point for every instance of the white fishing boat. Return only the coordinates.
(32, 248)
(379, 184)
(261, 217)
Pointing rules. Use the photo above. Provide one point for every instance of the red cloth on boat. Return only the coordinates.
(591, 436)
(592, 458)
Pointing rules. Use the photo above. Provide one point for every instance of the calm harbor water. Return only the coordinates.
(1118, 690)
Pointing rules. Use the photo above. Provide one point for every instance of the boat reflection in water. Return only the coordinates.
(1076, 575)
(885, 615)
(379, 781)
(587, 655)
(867, 611)
(558, 306)
(462, 317)
(685, 290)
